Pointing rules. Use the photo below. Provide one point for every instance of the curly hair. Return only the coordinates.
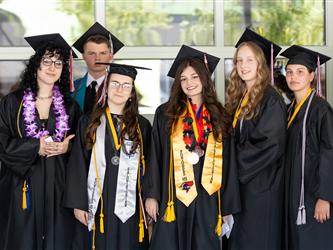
(130, 119)
(29, 76)
(176, 105)
(237, 86)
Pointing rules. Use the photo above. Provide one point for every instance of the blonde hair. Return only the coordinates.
(237, 86)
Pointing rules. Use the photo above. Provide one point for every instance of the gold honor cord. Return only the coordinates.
(243, 101)
(194, 123)
(113, 129)
(297, 109)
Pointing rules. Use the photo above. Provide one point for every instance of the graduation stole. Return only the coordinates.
(129, 170)
(211, 178)
(297, 109)
(243, 101)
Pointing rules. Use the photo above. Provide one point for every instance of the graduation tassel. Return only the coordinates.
(101, 223)
(24, 195)
(141, 211)
(301, 216)
(218, 228)
(71, 84)
(141, 228)
(318, 77)
(170, 215)
(93, 237)
(272, 64)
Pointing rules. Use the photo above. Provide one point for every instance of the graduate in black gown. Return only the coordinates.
(36, 124)
(309, 160)
(191, 181)
(107, 167)
(260, 133)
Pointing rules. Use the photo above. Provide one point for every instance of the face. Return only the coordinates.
(49, 70)
(298, 77)
(119, 90)
(190, 82)
(247, 65)
(93, 53)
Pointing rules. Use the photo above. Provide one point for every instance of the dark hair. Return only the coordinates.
(99, 39)
(29, 76)
(130, 119)
(176, 105)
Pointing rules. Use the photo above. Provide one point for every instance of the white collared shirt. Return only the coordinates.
(99, 80)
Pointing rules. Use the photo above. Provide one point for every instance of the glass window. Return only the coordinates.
(10, 72)
(279, 76)
(171, 22)
(284, 22)
(19, 18)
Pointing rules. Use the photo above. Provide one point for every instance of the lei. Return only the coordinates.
(29, 114)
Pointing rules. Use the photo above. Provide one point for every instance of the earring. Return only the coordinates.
(130, 99)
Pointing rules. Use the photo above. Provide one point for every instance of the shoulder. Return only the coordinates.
(13, 98)
(161, 109)
(79, 80)
(272, 97)
(143, 121)
(321, 107)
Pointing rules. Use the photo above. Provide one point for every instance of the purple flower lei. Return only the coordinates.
(29, 114)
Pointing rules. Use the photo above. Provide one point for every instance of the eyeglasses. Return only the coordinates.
(48, 62)
(124, 86)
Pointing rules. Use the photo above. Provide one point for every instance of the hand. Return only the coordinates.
(152, 208)
(58, 148)
(42, 146)
(81, 216)
(322, 211)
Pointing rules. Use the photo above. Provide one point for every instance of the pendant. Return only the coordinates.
(199, 151)
(193, 158)
(115, 160)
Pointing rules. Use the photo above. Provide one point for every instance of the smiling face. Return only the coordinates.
(247, 65)
(298, 77)
(191, 83)
(49, 70)
(119, 89)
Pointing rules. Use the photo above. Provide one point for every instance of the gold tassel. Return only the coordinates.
(101, 223)
(141, 231)
(93, 237)
(170, 215)
(218, 227)
(24, 195)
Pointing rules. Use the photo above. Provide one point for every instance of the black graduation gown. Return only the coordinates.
(260, 155)
(194, 228)
(117, 235)
(318, 174)
(46, 219)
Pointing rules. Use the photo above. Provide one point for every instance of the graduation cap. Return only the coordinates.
(187, 52)
(309, 58)
(122, 69)
(265, 45)
(38, 41)
(303, 56)
(98, 29)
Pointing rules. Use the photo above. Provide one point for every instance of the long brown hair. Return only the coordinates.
(237, 86)
(176, 105)
(130, 119)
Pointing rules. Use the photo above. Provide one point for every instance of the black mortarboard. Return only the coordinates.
(187, 52)
(303, 56)
(37, 42)
(123, 69)
(98, 29)
(251, 36)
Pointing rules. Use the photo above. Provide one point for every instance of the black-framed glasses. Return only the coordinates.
(48, 62)
(124, 86)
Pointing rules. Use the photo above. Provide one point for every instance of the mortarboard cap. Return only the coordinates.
(300, 55)
(187, 52)
(123, 69)
(98, 29)
(37, 42)
(251, 36)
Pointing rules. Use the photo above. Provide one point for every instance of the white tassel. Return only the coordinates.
(301, 216)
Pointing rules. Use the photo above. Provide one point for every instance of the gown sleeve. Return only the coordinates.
(77, 171)
(151, 185)
(17, 154)
(266, 143)
(325, 189)
(146, 137)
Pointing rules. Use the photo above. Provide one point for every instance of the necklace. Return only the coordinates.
(29, 114)
(43, 97)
